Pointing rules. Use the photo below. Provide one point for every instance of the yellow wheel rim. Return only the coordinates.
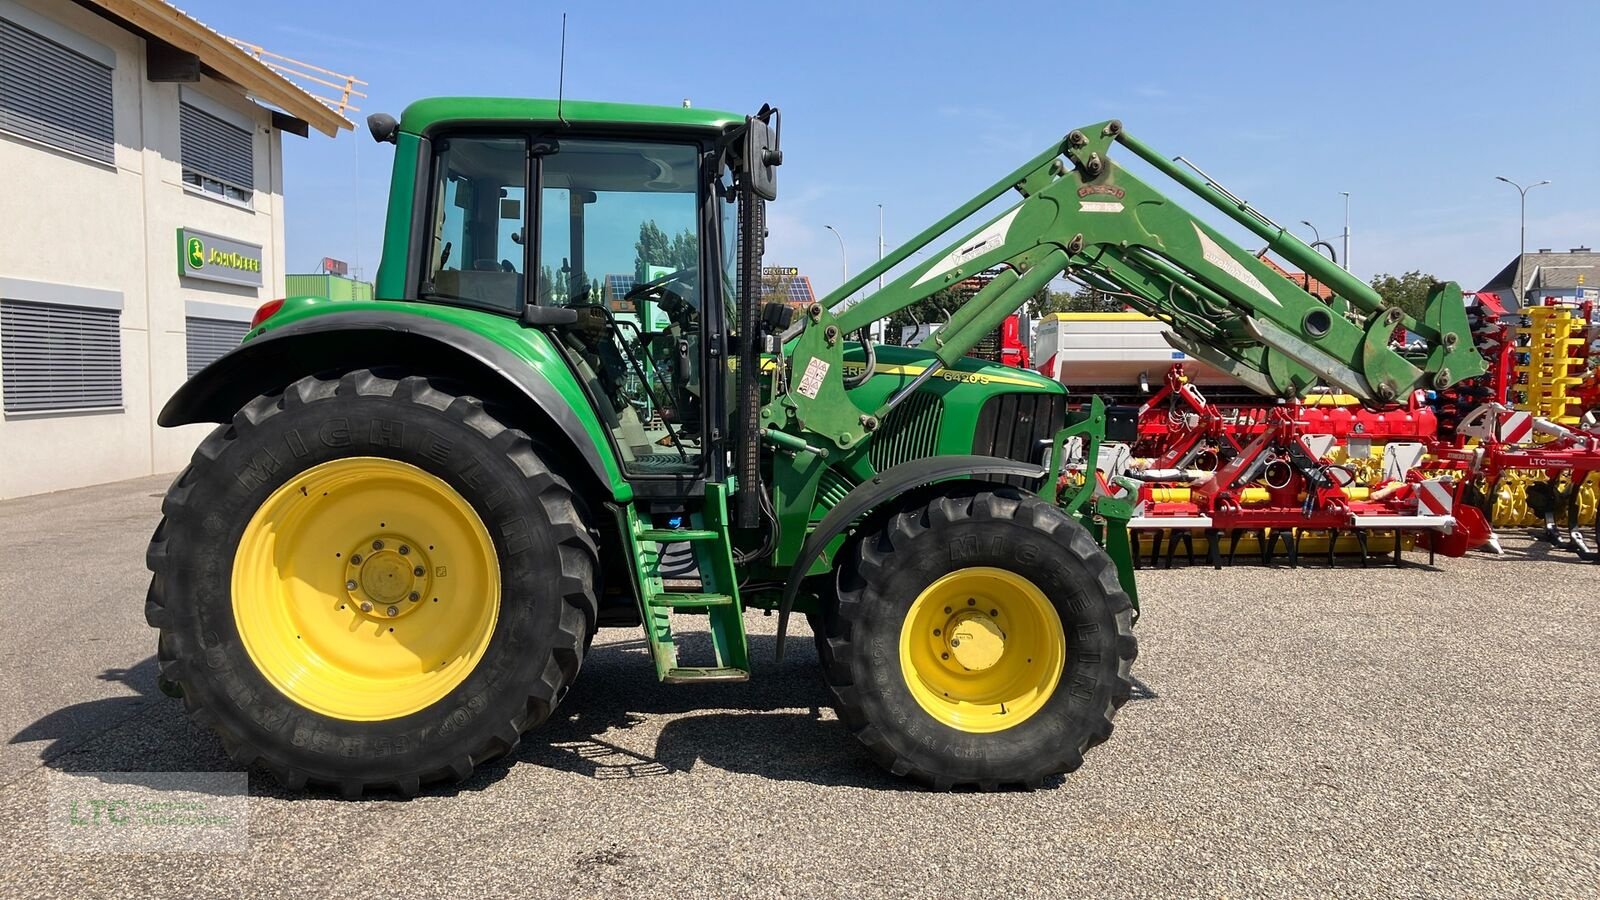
(982, 649)
(365, 589)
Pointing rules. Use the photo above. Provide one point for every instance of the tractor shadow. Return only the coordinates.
(143, 731)
(779, 725)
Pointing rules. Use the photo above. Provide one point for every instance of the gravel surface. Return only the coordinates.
(1381, 732)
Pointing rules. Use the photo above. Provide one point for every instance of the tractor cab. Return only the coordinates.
(606, 232)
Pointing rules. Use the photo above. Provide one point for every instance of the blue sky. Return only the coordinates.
(1412, 107)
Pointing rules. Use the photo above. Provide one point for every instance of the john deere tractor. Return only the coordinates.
(573, 407)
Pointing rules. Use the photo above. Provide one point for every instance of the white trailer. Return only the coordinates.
(1112, 352)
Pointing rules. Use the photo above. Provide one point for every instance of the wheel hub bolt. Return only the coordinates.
(971, 602)
(955, 642)
(355, 559)
(419, 571)
(415, 596)
(404, 549)
(377, 545)
(350, 585)
(365, 606)
(393, 611)
(994, 613)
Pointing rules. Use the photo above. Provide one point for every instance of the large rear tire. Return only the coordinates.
(368, 582)
(980, 640)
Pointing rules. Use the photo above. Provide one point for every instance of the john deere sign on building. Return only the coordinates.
(211, 257)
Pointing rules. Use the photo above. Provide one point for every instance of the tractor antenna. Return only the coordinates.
(561, 79)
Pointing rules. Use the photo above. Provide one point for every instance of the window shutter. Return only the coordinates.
(209, 339)
(59, 357)
(54, 95)
(215, 148)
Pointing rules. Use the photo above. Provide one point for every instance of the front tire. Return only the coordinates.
(980, 640)
(368, 582)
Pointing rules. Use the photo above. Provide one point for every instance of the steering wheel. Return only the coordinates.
(655, 285)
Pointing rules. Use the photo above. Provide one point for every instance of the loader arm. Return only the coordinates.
(1084, 216)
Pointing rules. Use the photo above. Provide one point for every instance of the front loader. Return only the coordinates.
(571, 408)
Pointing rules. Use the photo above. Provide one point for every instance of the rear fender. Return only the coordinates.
(528, 375)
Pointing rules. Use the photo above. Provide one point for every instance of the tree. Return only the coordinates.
(1046, 302)
(1408, 291)
(552, 289)
(685, 250)
(1085, 299)
(933, 309)
(654, 248)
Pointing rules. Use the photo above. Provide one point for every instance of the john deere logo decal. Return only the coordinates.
(211, 257)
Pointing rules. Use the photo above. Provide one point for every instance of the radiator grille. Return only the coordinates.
(1018, 426)
(910, 432)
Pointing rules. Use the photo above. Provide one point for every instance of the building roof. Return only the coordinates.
(1548, 270)
(169, 25)
(423, 114)
(1311, 285)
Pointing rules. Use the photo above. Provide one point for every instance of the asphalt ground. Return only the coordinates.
(1349, 732)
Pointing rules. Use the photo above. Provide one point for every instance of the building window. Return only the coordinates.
(218, 157)
(55, 358)
(55, 95)
(209, 339)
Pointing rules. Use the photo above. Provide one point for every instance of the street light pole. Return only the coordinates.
(1522, 243)
(1346, 230)
(844, 260)
(880, 244)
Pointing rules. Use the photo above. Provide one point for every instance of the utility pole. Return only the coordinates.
(844, 260)
(1522, 244)
(1346, 230)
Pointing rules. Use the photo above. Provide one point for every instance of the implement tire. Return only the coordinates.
(1047, 631)
(370, 583)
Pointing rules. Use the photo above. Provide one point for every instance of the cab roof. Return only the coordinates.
(425, 114)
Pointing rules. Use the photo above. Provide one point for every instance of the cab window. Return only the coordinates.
(476, 254)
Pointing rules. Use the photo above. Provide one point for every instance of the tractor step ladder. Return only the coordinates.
(718, 599)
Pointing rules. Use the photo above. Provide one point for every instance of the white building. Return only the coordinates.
(141, 223)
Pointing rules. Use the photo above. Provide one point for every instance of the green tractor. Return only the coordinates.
(571, 408)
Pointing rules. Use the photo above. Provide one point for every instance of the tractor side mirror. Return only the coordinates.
(384, 128)
(762, 155)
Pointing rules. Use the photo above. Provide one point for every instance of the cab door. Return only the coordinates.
(622, 232)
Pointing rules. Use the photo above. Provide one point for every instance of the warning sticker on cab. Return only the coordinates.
(811, 381)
